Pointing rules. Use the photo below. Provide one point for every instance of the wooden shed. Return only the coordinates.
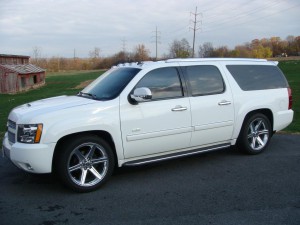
(16, 74)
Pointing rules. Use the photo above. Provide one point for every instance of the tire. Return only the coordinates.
(255, 134)
(84, 163)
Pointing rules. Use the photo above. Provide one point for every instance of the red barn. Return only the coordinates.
(16, 74)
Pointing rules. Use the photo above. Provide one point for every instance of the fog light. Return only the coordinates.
(28, 166)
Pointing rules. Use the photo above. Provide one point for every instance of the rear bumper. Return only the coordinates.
(283, 119)
(34, 158)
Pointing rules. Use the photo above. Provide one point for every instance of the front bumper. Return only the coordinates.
(34, 158)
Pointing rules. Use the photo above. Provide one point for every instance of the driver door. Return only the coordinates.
(161, 124)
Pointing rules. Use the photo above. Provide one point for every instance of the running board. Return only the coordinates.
(175, 155)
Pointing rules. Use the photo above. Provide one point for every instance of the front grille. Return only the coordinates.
(12, 124)
(11, 137)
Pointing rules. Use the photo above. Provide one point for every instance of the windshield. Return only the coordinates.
(110, 84)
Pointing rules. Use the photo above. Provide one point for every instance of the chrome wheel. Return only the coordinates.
(258, 134)
(88, 164)
(255, 134)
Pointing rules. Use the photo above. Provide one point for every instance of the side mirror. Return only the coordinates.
(142, 94)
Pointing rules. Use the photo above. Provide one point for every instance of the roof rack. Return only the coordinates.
(137, 64)
(213, 59)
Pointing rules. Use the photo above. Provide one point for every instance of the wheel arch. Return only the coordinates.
(267, 112)
(100, 133)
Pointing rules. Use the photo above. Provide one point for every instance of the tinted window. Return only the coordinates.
(163, 83)
(204, 80)
(257, 77)
(110, 84)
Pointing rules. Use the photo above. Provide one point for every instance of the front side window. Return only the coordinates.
(204, 80)
(163, 82)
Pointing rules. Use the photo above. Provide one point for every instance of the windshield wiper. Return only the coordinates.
(80, 93)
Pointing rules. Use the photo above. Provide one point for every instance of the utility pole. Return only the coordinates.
(124, 48)
(195, 28)
(157, 40)
(124, 45)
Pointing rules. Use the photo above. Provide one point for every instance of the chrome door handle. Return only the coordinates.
(179, 108)
(224, 102)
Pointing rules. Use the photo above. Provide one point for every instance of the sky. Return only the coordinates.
(62, 28)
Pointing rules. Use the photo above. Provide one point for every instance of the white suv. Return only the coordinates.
(139, 113)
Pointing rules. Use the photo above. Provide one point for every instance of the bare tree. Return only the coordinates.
(141, 53)
(206, 50)
(36, 55)
(95, 57)
(95, 53)
(180, 49)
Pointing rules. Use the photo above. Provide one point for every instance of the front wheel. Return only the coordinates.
(84, 163)
(255, 134)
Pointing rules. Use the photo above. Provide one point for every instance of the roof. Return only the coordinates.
(188, 60)
(214, 60)
(14, 56)
(23, 69)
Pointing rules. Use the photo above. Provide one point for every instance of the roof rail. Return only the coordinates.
(213, 59)
(139, 64)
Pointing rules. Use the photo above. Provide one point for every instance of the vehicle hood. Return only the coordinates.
(45, 106)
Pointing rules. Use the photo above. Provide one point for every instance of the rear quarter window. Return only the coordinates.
(257, 77)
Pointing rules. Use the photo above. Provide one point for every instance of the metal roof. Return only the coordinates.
(23, 69)
(14, 56)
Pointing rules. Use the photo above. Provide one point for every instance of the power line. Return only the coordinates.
(217, 27)
(241, 14)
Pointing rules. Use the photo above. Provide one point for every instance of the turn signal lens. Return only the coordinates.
(38, 134)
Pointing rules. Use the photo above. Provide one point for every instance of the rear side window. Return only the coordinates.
(204, 80)
(257, 77)
(164, 83)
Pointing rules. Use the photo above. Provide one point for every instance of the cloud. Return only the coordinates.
(60, 26)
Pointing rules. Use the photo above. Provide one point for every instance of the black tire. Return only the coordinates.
(255, 134)
(84, 163)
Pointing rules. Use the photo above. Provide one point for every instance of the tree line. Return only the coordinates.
(263, 48)
(257, 48)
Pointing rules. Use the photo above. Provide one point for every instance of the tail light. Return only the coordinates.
(290, 98)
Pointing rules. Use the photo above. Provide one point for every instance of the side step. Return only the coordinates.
(175, 155)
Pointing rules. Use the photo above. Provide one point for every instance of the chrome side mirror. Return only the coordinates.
(142, 94)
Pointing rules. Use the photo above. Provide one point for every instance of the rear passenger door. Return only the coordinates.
(211, 105)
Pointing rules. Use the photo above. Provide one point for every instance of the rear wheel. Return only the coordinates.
(84, 163)
(255, 134)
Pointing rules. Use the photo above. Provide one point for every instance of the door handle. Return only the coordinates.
(179, 108)
(224, 102)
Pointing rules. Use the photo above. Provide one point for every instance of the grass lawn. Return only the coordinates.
(64, 84)
(291, 69)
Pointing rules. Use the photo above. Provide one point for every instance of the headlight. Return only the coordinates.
(30, 133)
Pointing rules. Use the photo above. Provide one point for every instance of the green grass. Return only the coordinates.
(72, 72)
(291, 69)
(64, 84)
